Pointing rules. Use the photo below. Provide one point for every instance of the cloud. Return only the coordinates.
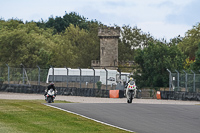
(189, 14)
(162, 18)
(161, 29)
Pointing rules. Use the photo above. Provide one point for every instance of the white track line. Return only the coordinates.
(89, 118)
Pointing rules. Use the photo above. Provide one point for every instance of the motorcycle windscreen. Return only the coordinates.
(131, 82)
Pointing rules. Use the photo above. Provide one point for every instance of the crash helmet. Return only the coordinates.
(131, 79)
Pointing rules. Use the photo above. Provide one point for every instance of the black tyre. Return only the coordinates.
(49, 100)
(131, 97)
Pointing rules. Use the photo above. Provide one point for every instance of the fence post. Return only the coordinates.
(177, 79)
(106, 78)
(67, 75)
(185, 80)
(52, 72)
(22, 71)
(119, 73)
(8, 73)
(38, 75)
(94, 78)
(80, 76)
(194, 89)
(170, 79)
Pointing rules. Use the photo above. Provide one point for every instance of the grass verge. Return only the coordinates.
(31, 116)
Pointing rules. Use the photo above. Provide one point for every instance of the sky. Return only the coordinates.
(161, 18)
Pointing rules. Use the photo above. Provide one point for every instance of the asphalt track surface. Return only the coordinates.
(141, 118)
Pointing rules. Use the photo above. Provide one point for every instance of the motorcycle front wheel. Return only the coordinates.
(129, 100)
(49, 100)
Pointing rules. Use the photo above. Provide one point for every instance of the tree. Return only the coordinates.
(22, 43)
(59, 24)
(131, 39)
(195, 65)
(63, 52)
(189, 44)
(153, 62)
(87, 45)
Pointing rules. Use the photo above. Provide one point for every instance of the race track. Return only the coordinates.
(141, 118)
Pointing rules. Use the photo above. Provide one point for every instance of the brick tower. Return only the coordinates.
(108, 48)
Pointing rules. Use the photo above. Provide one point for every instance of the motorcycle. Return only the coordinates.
(130, 91)
(50, 96)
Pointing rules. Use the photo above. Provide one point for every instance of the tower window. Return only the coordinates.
(103, 51)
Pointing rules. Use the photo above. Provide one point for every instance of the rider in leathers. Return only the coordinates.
(131, 79)
(50, 86)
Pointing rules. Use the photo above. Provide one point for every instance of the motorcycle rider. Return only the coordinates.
(131, 79)
(50, 86)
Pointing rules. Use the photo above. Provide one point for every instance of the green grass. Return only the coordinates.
(31, 116)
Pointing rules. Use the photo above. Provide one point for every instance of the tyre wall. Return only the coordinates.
(38, 89)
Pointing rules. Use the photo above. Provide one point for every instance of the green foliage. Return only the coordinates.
(59, 24)
(75, 48)
(153, 62)
(196, 64)
(58, 42)
(21, 43)
(189, 44)
(130, 40)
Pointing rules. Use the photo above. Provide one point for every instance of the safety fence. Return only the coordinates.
(64, 77)
(184, 81)
(76, 82)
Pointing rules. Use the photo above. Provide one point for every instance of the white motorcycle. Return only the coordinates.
(50, 96)
(130, 91)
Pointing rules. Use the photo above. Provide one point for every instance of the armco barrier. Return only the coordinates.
(87, 92)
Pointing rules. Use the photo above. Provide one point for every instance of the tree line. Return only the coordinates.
(72, 41)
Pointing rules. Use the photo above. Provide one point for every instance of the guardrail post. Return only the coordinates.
(22, 71)
(177, 79)
(194, 89)
(119, 73)
(185, 80)
(8, 73)
(106, 78)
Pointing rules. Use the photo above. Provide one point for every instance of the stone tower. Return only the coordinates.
(108, 48)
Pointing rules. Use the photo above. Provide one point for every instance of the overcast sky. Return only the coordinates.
(161, 18)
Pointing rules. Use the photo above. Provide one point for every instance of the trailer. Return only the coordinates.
(86, 75)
